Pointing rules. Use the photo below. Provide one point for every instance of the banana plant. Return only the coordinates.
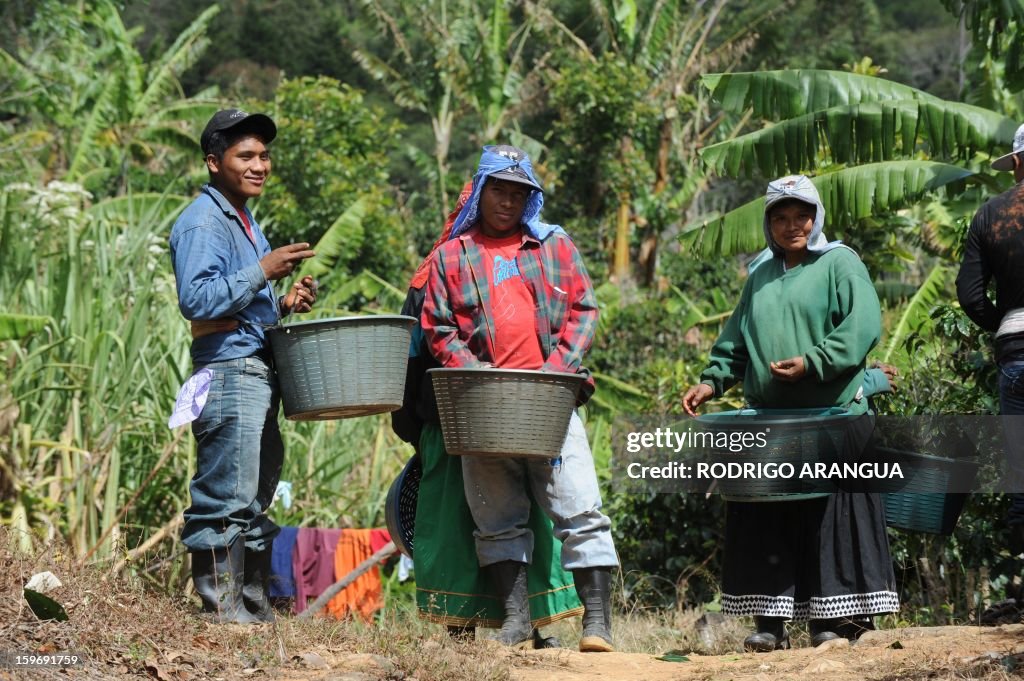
(834, 119)
(992, 24)
(99, 126)
(661, 47)
(452, 60)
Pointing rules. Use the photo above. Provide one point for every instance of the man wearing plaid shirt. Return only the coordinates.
(510, 291)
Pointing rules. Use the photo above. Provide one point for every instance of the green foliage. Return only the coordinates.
(18, 326)
(97, 131)
(863, 133)
(599, 104)
(331, 179)
(988, 21)
(917, 311)
(791, 93)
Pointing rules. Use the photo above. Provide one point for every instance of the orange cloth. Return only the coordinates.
(363, 596)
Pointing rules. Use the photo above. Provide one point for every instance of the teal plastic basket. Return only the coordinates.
(793, 436)
(342, 368)
(922, 501)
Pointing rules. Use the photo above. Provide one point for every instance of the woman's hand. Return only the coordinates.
(789, 370)
(891, 373)
(696, 396)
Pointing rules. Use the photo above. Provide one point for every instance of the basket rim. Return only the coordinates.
(967, 460)
(778, 416)
(353, 320)
(494, 371)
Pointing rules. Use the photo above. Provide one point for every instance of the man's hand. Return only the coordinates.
(281, 262)
(300, 297)
(789, 370)
(696, 396)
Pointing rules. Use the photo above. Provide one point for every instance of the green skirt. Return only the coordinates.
(450, 587)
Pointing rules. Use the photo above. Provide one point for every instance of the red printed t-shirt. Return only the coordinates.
(516, 345)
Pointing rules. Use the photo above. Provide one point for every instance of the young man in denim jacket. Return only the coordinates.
(509, 291)
(224, 267)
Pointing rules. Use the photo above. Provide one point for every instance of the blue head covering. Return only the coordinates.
(801, 188)
(492, 162)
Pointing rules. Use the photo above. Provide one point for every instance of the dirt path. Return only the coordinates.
(911, 653)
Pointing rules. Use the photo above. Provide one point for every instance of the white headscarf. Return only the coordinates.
(801, 188)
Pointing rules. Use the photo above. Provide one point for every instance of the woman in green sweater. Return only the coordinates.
(800, 337)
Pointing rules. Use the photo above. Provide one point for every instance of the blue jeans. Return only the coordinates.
(239, 458)
(1011, 403)
(567, 491)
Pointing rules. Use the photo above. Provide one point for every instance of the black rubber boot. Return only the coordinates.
(218, 576)
(256, 587)
(823, 631)
(594, 587)
(509, 580)
(770, 634)
(850, 628)
(540, 641)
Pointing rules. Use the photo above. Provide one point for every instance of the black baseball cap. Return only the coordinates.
(516, 173)
(229, 119)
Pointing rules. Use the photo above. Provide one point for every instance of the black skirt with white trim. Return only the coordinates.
(813, 559)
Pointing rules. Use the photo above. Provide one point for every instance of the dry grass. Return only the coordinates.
(123, 629)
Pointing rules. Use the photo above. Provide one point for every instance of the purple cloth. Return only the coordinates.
(313, 563)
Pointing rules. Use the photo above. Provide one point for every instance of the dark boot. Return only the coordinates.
(509, 580)
(823, 631)
(218, 576)
(256, 588)
(540, 641)
(770, 634)
(850, 628)
(594, 587)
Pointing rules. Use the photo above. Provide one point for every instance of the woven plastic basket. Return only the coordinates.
(340, 368)
(923, 502)
(400, 505)
(505, 412)
(793, 436)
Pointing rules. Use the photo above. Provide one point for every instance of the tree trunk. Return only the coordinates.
(620, 269)
(620, 260)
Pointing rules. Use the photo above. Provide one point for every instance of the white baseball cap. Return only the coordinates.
(1006, 162)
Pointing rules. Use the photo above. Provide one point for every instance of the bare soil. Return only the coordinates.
(910, 653)
(126, 628)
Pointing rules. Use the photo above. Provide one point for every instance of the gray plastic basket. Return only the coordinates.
(341, 368)
(505, 412)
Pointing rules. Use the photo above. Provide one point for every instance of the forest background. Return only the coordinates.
(382, 108)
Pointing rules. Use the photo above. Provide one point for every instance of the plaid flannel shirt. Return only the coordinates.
(457, 319)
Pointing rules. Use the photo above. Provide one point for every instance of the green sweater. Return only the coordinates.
(824, 309)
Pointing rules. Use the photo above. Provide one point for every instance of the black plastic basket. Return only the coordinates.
(792, 436)
(922, 502)
(400, 505)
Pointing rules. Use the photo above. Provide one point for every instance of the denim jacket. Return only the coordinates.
(218, 276)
